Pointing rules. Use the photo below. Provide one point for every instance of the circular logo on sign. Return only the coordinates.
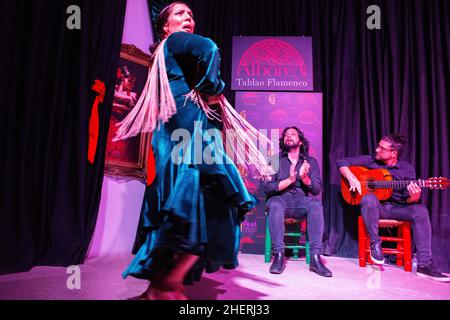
(272, 57)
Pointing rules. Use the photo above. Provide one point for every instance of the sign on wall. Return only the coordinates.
(272, 63)
(277, 110)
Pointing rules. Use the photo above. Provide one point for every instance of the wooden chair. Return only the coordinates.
(297, 234)
(403, 240)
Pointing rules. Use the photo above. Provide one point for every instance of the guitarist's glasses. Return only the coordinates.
(384, 149)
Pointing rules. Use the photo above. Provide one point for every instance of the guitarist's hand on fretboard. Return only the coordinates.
(414, 192)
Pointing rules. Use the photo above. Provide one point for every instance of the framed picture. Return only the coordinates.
(128, 158)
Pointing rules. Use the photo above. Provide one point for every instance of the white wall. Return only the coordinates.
(137, 29)
(118, 217)
(121, 200)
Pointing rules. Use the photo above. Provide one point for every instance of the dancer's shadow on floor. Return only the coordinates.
(206, 289)
(226, 286)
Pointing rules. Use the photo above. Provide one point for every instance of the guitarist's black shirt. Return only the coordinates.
(402, 170)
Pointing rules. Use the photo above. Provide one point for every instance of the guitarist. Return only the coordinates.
(404, 204)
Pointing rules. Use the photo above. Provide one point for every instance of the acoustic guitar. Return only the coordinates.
(380, 183)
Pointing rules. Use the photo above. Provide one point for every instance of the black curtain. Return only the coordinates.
(374, 82)
(50, 193)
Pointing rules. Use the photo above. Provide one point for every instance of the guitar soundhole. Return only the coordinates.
(371, 185)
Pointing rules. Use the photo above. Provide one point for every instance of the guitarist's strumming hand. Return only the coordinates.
(414, 192)
(355, 184)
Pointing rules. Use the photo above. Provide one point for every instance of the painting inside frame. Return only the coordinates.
(128, 158)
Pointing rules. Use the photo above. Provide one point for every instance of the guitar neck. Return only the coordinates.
(393, 184)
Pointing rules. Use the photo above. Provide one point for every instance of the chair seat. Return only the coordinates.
(389, 223)
(290, 221)
(294, 212)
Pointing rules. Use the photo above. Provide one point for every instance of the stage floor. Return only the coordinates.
(101, 280)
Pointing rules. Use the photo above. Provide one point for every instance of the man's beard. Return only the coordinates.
(289, 147)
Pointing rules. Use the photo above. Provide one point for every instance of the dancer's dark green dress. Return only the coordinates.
(194, 206)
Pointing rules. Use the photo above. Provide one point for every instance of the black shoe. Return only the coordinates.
(278, 263)
(316, 265)
(376, 254)
(430, 272)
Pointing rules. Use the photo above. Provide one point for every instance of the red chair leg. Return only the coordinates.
(362, 242)
(407, 256)
(400, 246)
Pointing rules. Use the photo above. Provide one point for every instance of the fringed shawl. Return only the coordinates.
(157, 103)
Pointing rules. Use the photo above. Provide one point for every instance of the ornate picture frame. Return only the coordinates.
(128, 158)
